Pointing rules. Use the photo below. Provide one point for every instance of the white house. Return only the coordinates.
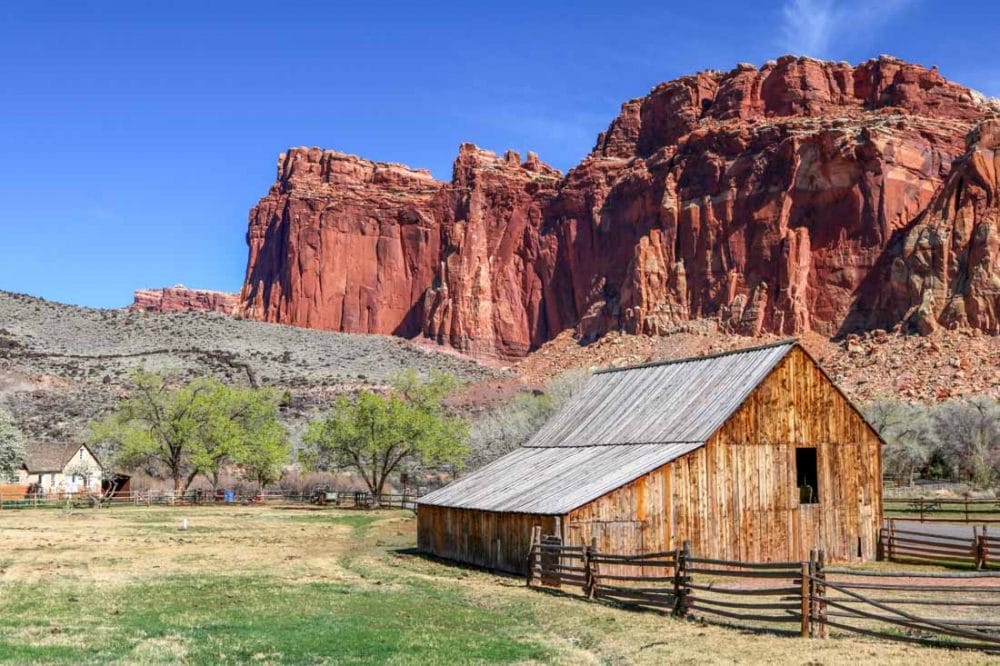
(67, 468)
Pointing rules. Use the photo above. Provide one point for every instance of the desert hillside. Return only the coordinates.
(61, 365)
(870, 366)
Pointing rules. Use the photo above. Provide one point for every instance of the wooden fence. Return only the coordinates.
(955, 610)
(802, 598)
(936, 510)
(340, 499)
(980, 550)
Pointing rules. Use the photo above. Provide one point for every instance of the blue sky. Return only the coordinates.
(136, 135)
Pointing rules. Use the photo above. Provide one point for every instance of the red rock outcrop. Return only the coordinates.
(344, 244)
(946, 270)
(182, 299)
(794, 197)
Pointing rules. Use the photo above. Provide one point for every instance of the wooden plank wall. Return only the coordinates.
(736, 498)
(483, 538)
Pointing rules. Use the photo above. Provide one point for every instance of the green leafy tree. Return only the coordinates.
(198, 428)
(11, 447)
(263, 448)
(375, 434)
(239, 427)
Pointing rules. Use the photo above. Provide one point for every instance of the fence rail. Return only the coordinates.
(954, 610)
(939, 510)
(981, 550)
(959, 610)
(340, 499)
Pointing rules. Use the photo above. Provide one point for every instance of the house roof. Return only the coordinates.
(43, 457)
(625, 423)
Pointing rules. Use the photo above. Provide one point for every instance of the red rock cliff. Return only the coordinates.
(182, 299)
(802, 195)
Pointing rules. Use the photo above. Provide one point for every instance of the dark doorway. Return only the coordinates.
(806, 475)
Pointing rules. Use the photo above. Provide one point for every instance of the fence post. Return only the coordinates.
(588, 574)
(805, 591)
(824, 630)
(682, 592)
(892, 539)
(981, 547)
(536, 540)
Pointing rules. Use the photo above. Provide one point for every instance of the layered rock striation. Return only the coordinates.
(181, 299)
(801, 195)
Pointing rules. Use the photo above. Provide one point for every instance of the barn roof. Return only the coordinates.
(625, 423)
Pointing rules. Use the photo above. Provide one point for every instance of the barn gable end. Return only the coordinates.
(737, 497)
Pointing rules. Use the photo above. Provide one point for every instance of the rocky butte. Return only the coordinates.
(181, 299)
(799, 196)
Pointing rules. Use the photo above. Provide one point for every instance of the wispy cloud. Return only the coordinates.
(819, 27)
(559, 138)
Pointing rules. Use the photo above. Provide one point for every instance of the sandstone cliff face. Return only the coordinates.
(803, 195)
(182, 299)
(345, 244)
(489, 296)
(342, 243)
(946, 269)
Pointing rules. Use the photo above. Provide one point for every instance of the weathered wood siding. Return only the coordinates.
(737, 497)
(482, 538)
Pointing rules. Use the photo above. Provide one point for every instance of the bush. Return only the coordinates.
(968, 432)
(956, 440)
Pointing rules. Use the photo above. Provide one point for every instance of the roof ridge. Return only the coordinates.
(668, 442)
(791, 342)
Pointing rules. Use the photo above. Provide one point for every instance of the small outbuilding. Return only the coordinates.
(751, 455)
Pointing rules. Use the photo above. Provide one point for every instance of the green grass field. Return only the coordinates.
(272, 586)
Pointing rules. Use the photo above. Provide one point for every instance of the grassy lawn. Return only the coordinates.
(270, 586)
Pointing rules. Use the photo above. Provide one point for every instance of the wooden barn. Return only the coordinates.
(751, 455)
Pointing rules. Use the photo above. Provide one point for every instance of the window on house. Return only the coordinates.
(806, 475)
(81, 454)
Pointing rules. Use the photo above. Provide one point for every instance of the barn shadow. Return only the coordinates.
(516, 580)
(508, 579)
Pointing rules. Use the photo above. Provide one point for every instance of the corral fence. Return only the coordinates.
(940, 510)
(978, 550)
(336, 499)
(808, 599)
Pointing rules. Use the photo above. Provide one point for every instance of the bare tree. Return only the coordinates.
(908, 434)
(969, 431)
